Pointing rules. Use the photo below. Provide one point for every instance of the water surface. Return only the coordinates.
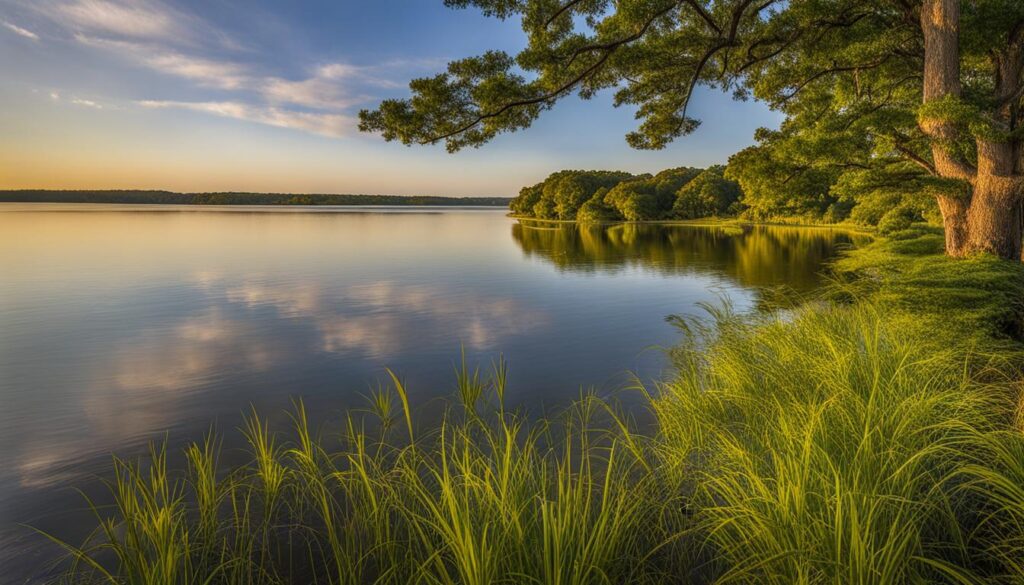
(120, 325)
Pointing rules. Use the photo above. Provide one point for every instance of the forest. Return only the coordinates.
(593, 196)
(745, 189)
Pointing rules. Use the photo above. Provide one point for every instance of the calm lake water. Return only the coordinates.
(121, 325)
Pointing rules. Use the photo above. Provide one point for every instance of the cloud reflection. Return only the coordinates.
(300, 300)
(190, 353)
(384, 318)
(148, 377)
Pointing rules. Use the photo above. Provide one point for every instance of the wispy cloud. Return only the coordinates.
(87, 103)
(325, 124)
(328, 88)
(170, 40)
(130, 19)
(24, 32)
(327, 91)
(207, 72)
(221, 74)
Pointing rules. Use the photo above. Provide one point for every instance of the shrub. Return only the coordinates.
(708, 194)
(896, 220)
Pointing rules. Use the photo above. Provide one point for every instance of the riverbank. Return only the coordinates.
(723, 222)
(867, 436)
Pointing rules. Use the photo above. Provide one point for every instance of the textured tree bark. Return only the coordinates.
(994, 218)
(989, 219)
(954, 222)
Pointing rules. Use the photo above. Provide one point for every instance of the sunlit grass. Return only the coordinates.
(818, 446)
(485, 497)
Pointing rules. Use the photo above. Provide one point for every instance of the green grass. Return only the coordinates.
(874, 436)
(978, 298)
(818, 447)
(486, 497)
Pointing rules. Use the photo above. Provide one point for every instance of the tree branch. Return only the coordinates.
(566, 7)
(834, 69)
(704, 16)
(914, 158)
(607, 48)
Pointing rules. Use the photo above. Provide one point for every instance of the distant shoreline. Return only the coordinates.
(240, 198)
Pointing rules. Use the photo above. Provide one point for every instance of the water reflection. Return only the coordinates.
(374, 318)
(750, 256)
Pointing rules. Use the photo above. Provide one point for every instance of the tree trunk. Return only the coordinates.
(989, 220)
(989, 223)
(954, 222)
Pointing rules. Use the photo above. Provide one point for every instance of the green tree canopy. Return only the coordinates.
(649, 197)
(561, 195)
(708, 194)
(592, 196)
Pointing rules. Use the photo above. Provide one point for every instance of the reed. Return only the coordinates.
(818, 446)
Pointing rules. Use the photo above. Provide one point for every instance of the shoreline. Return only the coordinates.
(706, 222)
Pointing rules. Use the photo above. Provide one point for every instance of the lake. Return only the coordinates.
(121, 325)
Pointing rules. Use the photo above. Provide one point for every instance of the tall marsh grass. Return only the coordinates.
(819, 447)
(823, 445)
(484, 497)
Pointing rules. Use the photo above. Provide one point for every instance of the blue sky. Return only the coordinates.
(261, 95)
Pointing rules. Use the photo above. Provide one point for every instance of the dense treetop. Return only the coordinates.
(749, 188)
(590, 196)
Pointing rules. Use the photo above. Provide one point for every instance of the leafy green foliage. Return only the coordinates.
(709, 194)
(776, 183)
(571, 189)
(561, 195)
(850, 66)
(896, 219)
(648, 198)
(873, 196)
(795, 173)
(596, 196)
(596, 209)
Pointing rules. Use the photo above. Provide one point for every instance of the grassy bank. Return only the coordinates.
(871, 436)
(724, 222)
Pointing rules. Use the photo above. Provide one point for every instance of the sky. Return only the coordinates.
(263, 95)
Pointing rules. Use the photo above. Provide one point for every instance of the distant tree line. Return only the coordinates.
(231, 198)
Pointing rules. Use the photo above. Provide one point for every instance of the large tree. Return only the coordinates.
(924, 91)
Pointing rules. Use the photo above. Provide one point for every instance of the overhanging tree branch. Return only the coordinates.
(607, 50)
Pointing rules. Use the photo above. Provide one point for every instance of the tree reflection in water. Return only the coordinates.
(751, 256)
